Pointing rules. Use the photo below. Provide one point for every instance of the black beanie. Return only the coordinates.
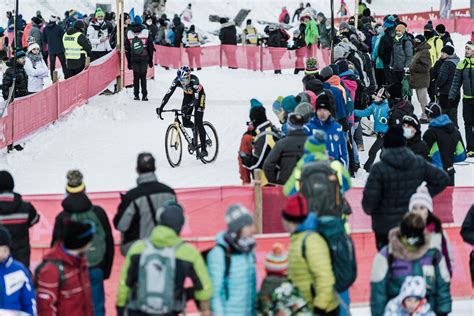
(394, 138)
(5, 237)
(324, 102)
(258, 115)
(6, 181)
(433, 110)
(440, 28)
(448, 49)
(77, 234)
(173, 217)
(36, 20)
(145, 163)
(79, 25)
(335, 69)
(429, 26)
(343, 65)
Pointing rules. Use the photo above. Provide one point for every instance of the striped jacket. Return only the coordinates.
(18, 216)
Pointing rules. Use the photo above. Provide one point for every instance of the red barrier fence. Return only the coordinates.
(205, 208)
(27, 115)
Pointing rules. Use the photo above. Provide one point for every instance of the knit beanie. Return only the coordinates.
(470, 44)
(339, 52)
(5, 237)
(433, 110)
(79, 25)
(420, 38)
(413, 286)
(254, 103)
(421, 196)
(440, 28)
(429, 26)
(145, 163)
(137, 20)
(401, 28)
(289, 103)
(311, 66)
(20, 54)
(276, 261)
(75, 182)
(412, 230)
(295, 122)
(7, 184)
(53, 18)
(36, 20)
(99, 13)
(236, 217)
(76, 234)
(258, 115)
(388, 23)
(343, 65)
(344, 25)
(323, 102)
(394, 138)
(315, 143)
(32, 46)
(173, 217)
(448, 49)
(326, 73)
(296, 209)
(306, 110)
(412, 120)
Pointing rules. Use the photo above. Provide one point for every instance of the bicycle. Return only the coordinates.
(173, 143)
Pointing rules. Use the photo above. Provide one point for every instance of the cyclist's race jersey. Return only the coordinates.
(193, 89)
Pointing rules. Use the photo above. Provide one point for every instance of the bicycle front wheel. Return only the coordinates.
(173, 146)
(212, 143)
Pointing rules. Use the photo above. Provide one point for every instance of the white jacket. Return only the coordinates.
(95, 32)
(36, 74)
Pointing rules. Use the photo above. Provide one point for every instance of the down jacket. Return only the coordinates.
(391, 183)
(402, 53)
(241, 283)
(36, 72)
(394, 263)
(420, 67)
(21, 85)
(446, 74)
(282, 159)
(464, 77)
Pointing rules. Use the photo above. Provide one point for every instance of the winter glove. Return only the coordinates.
(159, 111)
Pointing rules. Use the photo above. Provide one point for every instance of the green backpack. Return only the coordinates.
(137, 46)
(96, 252)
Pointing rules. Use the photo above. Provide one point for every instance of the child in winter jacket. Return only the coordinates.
(276, 266)
(35, 68)
(16, 289)
(411, 300)
(379, 109)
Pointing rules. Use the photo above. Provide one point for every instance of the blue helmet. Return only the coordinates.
(184, 73)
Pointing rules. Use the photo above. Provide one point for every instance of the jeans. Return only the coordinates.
(96, 276)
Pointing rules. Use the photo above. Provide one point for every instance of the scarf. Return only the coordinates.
(239, 245)
(35, 59)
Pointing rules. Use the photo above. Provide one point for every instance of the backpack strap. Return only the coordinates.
(58, 264)
(152, 209)
(227, 258)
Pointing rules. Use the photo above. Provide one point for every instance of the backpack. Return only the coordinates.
(320, 187)
(96, 253)
(137, 46)
(156, 279)
(341, 248)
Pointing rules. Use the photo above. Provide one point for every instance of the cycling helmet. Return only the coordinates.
(184, 73)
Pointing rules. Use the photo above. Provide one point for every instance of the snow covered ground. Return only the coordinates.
(103, 137)
(460, 307)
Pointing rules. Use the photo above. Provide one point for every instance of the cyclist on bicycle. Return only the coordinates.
(194, 98)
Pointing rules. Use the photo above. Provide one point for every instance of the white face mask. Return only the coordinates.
(148, 22)
(408, 133)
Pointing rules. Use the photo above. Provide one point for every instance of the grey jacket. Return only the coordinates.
(140, 209)
(446, 74)
(464, 77)
(36, 33)
(402, 53)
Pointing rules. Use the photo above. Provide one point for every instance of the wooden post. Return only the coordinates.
(55, 76)
(356, 14)
(258, 200)
(120, 42)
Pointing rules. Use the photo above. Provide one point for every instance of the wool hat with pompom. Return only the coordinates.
(75, 182)
(276, 261)
(422, 197)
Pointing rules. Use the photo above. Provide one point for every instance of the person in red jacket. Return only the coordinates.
(62, 279)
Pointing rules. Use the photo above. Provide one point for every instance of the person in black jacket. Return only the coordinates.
(151, 22)
(139, 52)
(228, 32)
(444, 82)
(78, 206)
(283, 157)
(17, 216)
(393, 180)
(467, 233)
(72, 42)
(178, 29)
(445, 36)
(386, 47)
(444, 140)
(21, 83)
(141, 207)
(412, 132)
(298, 13)
(53, 36)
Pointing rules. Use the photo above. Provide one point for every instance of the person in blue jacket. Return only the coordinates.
(16, 289)
(231, 266)
(379, 109)
(324, 121)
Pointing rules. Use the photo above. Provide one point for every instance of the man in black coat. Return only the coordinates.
(386, 48)
(393, 180)
(449, 61)
(21, 83)
(53, 36)
(78, 207)
(412, 132)
(178, 29)
(75, 66)
(283, 157)
(228, 32)
(17, 216)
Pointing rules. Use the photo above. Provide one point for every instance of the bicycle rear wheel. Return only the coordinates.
(173, 146)
(212, 143)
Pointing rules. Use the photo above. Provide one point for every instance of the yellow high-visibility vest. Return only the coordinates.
(71, 46)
